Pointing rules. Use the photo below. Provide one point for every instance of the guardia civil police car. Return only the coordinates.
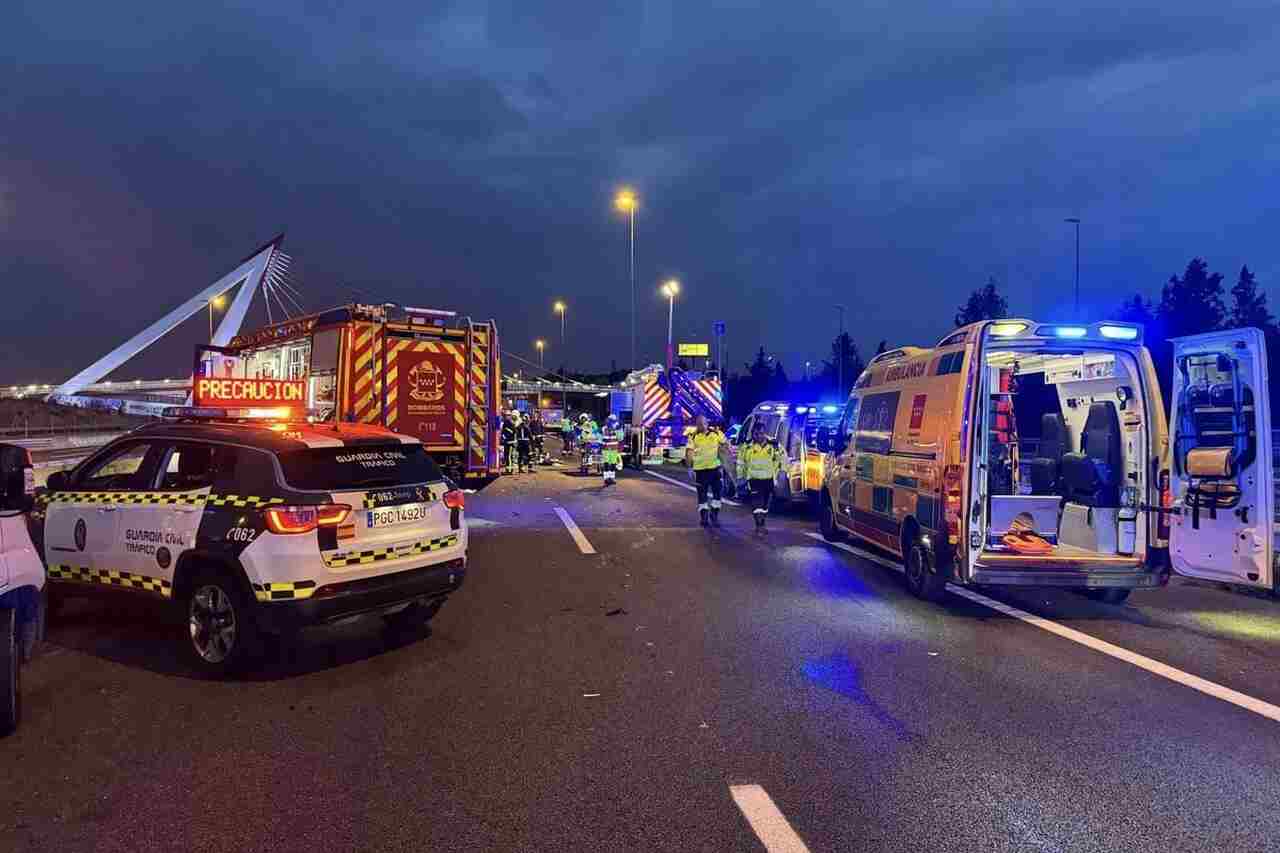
(253, 527)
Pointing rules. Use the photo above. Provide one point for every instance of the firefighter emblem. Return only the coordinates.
(426, 382)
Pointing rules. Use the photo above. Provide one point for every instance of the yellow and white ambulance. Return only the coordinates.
(1037, 454)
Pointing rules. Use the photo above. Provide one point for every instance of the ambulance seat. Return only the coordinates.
(1092, 476)
(1046, 465)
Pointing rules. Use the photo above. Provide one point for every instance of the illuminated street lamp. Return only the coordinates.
(669, 290)
(561, 309)
(215, 302)
(626, 202)
(541, 345)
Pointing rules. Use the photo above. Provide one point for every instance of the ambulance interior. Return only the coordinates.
(1066, 440)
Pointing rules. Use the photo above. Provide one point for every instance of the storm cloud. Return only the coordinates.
(888, 156)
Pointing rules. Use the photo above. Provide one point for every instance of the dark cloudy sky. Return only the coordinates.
(886, 155)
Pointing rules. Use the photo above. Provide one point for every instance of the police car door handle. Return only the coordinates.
(107, 509)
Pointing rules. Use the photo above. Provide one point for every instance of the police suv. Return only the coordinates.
(255, 527)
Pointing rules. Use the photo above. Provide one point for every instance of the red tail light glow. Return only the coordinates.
(455, 499)
(289, 520)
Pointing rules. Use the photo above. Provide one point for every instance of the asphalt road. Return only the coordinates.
(617, 701)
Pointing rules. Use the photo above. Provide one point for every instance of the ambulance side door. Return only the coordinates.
(1222, 471)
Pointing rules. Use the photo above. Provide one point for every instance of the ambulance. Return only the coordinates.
(1018, 453)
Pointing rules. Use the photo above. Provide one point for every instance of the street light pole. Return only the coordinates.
(561, 308)
(670, 289)
(627, 202)
(215, 302)
(1076, 221)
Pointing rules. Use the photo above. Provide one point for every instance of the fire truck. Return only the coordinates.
(658, 406)
(422, 372)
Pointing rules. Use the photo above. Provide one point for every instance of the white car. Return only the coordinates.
(257, 527)
(21, 579)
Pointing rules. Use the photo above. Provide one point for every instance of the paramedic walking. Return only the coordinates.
(703, 455)
(759, 464)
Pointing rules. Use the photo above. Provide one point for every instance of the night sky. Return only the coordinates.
(889, 156)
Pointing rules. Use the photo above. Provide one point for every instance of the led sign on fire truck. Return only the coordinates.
(210, 392)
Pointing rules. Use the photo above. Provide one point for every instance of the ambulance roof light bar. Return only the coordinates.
(1110, 331)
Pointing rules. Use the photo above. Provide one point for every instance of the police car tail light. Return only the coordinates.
(288, 520)
(455, 499)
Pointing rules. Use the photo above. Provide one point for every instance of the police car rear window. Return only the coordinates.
(360, 466)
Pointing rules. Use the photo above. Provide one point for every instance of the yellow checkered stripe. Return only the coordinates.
(163, 499)
(287, 591)
(110, 577)
(377, 555)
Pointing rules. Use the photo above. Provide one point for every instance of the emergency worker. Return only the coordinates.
(509, 442)
(566, 433)
(537, 429)
(702, 454)
(759, 463)
(611, 453)
(524, 444)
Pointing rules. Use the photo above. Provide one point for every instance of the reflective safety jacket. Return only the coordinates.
(759, 461)
(704, 449)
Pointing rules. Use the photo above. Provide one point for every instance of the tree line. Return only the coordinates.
(1192, 303)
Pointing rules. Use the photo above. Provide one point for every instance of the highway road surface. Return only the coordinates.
(614, 677)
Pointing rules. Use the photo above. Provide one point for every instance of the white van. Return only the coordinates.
(1034, 454)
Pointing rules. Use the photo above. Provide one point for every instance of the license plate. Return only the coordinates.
(390, 516)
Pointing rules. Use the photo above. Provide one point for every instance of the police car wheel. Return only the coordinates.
(221, 630)
(10, 667)
(923, 582)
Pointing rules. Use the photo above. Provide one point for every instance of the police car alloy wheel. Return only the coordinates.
(10, 663)
(219, 625)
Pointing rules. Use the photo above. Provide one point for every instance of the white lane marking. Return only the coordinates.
(770, 825)
(1186, 679)
(688, 486)
(583, 545)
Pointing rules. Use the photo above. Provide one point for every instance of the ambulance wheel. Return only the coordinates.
(10, 666)
(923, 582)
(1110, 595)
(222, 634)
(827, 522)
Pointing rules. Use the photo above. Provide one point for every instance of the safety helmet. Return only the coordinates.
(613, 419)
(584, 417)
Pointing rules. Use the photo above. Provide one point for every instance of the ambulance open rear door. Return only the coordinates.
(1221, 470)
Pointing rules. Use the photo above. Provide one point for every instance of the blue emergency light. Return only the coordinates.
(1119, 333)
(830, 409)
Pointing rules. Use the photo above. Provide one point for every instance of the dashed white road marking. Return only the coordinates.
(583, 545)
(673, 481)
(770, 825)
(1186, 679)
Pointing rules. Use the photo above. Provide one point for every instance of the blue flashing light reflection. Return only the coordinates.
(1118, 333)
